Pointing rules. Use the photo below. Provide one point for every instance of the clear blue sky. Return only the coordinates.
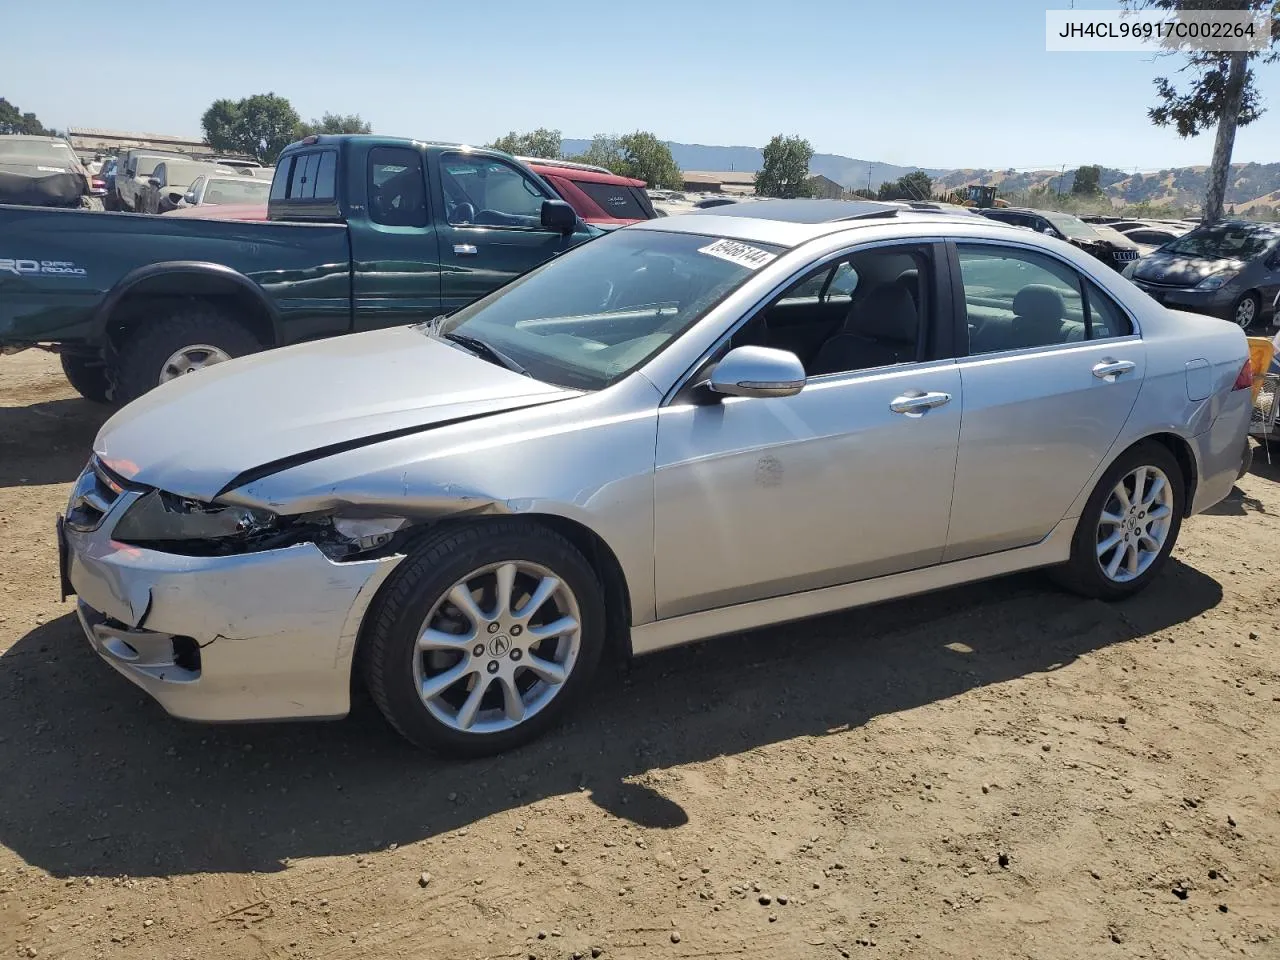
(936, 83)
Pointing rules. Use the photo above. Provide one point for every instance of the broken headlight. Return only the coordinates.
(164, 517)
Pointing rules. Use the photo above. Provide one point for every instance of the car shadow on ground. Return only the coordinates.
(47, 442)
(96, 780)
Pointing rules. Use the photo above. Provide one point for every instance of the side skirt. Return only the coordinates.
(672, 632)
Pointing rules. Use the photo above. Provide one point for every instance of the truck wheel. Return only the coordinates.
(92, 203)
(194, 336)
(87, 375)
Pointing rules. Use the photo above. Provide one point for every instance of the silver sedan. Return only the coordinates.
(690, 427)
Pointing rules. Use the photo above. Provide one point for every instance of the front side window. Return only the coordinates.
(589, 317)
(870, 309)
(1015, 299)
(397, 190)
(486, 192)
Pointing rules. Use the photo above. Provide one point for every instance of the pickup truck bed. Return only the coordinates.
(401, 231)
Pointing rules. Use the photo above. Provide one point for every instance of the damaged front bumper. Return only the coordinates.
(265, 635)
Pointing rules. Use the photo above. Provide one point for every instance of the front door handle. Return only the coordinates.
(1109, 369)
(917, 404)
(465, 249)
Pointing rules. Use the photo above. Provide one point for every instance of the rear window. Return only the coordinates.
(36, 152)
(617, 201)
(306, 176)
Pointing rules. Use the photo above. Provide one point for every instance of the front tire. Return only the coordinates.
(484, 637)
(1129, 525)
(1246, 311)
(88, 376)
(192, 336)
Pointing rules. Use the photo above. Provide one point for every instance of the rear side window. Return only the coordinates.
(306, 176)
(617, 201)
(1106, 319)
(397, 190)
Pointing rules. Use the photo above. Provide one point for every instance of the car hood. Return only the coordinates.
(1180, 270)
(197, 434)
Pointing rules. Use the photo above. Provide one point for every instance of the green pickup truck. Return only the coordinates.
(361, 232)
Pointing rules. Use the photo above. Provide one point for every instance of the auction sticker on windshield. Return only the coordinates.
(743, 254)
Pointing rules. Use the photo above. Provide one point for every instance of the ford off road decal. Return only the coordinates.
(28, 268)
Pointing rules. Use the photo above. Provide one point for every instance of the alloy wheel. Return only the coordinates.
(497, 647)
(1134, 524)
(1246, 312)
(190, 359)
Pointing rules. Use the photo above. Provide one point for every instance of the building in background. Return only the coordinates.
(88, 142)
(711, 181)
(825, 188)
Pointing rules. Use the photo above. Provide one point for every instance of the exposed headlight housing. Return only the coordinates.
(163, 517)
(1216, 280)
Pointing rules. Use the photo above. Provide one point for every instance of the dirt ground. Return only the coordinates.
(995, 771)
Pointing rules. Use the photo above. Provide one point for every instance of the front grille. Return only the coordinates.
(1125, 255)
(95, 492)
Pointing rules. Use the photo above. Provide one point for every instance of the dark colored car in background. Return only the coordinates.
(43, 172)
(1111, 247)
(365, 232)
(1229, 269)
(601, 198)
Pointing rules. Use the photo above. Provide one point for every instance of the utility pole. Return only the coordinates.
(1061, 176)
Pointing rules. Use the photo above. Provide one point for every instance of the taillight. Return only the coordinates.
(1244, 381)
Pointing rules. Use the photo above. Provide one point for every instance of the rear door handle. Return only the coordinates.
(917, 404)
(465, 249)
(1110, 369)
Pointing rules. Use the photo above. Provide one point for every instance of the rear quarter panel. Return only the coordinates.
(71, 260)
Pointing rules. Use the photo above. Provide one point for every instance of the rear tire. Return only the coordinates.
(1144, 491)
(92, 203)
(194, 328)
(496, 645)
(88, 376)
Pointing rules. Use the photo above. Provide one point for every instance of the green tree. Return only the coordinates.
(864, 193)
(913, 186)
(604, 151)
(785, 172)
(1086, 180)
(334, 123)
(12, 120)
(647, 158)
(259, 126)
(535, 143)
(1221, 91)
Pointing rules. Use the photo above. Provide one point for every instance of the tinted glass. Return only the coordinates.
(1236, 241)
(1019, 298)
(1071, 226)
(397, 190)
(591, 316)
(280, 182)
(1149, 236)
(1106, 319)
(326, 175)
(485, 192)
(615, 200)
(303, 184)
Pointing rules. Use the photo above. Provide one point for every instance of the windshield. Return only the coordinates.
(36, 153)
(1070, 226)
(588, 318)
(1226, 241)
(237, 191)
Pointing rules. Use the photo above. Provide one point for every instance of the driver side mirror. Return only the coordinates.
(558, 215)
(153, 181)
(190, 197)
(757, 372)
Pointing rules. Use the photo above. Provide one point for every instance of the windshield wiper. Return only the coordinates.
(486, 351)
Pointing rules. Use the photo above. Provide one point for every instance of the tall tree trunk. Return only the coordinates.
(1220, 168)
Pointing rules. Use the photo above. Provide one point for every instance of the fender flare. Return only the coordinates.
(218, 271)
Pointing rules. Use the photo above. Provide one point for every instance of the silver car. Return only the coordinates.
(689, 427)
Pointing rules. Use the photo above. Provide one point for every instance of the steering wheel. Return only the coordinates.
(462, 213)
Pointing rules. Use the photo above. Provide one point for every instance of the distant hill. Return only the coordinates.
(1253, 185)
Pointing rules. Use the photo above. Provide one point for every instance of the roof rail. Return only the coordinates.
(567, 164)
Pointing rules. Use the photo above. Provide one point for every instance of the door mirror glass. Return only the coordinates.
(190, 197)
(757, 372)
(558, 215)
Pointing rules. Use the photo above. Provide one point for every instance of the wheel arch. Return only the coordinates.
(243, 300)
(1177, 445)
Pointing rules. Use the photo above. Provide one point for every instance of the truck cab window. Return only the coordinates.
(397, 190)
(487, 192)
